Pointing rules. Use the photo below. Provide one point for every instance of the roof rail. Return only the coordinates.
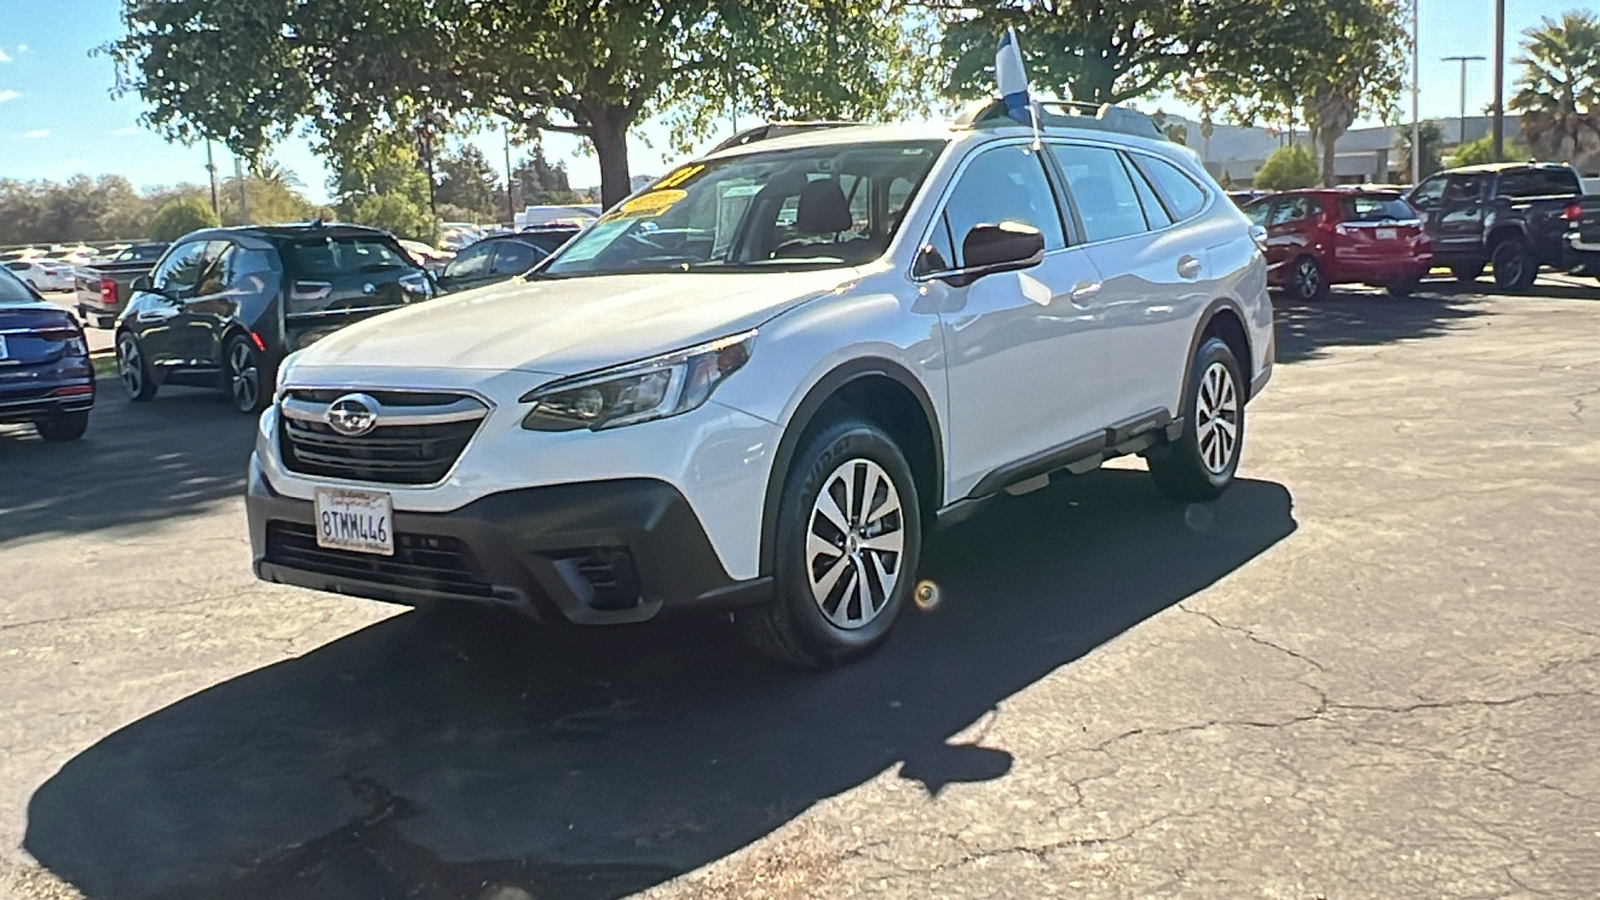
(769, 130)
(1063, 114)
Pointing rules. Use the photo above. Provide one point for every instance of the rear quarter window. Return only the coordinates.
(1183, 197)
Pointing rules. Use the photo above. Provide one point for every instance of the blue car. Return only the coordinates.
(45, 374)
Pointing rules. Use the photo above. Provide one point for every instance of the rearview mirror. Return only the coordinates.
(1005, 247)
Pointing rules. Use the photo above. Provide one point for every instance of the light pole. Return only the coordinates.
(1463, 60)
(1416, 76)
(1499, 79)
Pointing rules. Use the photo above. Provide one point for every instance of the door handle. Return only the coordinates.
(1188, 267)
(1085, 291)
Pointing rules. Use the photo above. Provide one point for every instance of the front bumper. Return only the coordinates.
(591, 553)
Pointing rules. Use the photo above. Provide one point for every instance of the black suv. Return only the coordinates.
(501, 257)
(1512, 217)
(224, 306)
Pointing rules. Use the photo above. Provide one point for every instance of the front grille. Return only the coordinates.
(420, 562)
(408, 450)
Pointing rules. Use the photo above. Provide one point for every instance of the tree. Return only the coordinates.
(247, 72)
(1480, 151)
(180, 217)
(1430, 140)
(1559, 89)
(467, 182)
(1287, 169)
(377, 181)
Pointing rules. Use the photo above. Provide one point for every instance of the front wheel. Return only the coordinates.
(848, 542)
(133, 370)
(1403, 288)
(1467, 273)
(63, 426)
(1201, 463)
(1514, 266)
(242, 373)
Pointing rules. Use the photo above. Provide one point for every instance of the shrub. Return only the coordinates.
(179, 217)
(1287, 169)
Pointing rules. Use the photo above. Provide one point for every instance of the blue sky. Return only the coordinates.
(58, 119)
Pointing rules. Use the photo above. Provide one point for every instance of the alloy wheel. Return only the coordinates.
(130, 365)
(1307, 280)
(1508, 263)
(855, 543)
(1216, 418)
(244, 377)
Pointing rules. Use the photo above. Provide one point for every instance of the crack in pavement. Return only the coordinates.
(1252, 636)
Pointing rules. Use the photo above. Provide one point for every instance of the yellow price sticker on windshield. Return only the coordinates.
(646, 206)
(679, 177)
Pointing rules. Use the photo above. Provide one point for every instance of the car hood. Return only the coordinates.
(565, 326)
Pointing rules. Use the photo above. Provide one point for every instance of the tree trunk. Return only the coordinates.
(608, 130)
(1329, 138)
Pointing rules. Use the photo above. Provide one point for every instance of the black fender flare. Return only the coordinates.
(806, 412)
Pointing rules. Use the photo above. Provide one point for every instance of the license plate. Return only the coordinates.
(1386, 234)
(4, 353)
(360, 521)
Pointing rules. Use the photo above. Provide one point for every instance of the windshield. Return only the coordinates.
(323, 257)
(837, 205)
(12, 291)
(1376, 208)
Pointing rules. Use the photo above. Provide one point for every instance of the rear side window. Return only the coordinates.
(11, 290)
(324, 257)
(1184, 198)
(1105, 197)
(515, 257)
(1540, 183)
(1374, 208)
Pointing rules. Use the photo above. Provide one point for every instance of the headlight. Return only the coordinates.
(638, 392)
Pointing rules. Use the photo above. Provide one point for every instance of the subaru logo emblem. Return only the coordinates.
(369, 288)
(352, 415)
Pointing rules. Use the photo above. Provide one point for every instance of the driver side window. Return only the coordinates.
(1001, 184)
(471, 262)
(181, 269)
(1427, 194)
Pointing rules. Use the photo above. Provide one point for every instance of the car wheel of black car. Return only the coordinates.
(849, 540)
(1466, 273)
(244, 375)
(1514, 266)
(1200, 464)
(1306, 283)
(133, 369)
(63, 426)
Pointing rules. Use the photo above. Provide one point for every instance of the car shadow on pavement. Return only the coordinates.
(137, 463)
(438, 755)
(1351, 318)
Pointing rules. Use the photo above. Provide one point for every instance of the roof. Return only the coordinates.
(1503, 166)
(270, 232)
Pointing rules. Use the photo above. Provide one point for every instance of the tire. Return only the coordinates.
(1403, 288)
(1306, 281)
(133, 369)
(1467, 273)
(1200, 464)
(244, 375)
(1514, 267)
(831, 604)
(105, 323)
(63, 426)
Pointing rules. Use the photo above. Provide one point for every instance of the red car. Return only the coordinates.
(1320, 237)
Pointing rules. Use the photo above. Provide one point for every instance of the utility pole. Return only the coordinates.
(211, 172)
(1463, 60)
(1416, 77)
(1499, 78)
(511, 212)
(244, 204)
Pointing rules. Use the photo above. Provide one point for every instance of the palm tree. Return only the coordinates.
(1559, 91)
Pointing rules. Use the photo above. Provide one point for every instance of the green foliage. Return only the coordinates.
(397, 214)
(378, 182)
(1430, 139)
(249, 72)
(1558, 91)
(1286, 169)
(1481, 151)
(81, 209)
(536, 181)
(468, 183)
(179, 217)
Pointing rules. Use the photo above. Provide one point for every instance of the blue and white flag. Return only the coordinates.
(1011, 79)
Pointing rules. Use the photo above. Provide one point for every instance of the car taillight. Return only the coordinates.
(73, 390)
(1573, 211)
(108, 291)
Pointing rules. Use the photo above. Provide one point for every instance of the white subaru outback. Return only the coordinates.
(755, 385)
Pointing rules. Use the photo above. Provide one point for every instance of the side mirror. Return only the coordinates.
(1005, 247)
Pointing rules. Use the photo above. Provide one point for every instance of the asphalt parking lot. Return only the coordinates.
(1371, 670)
